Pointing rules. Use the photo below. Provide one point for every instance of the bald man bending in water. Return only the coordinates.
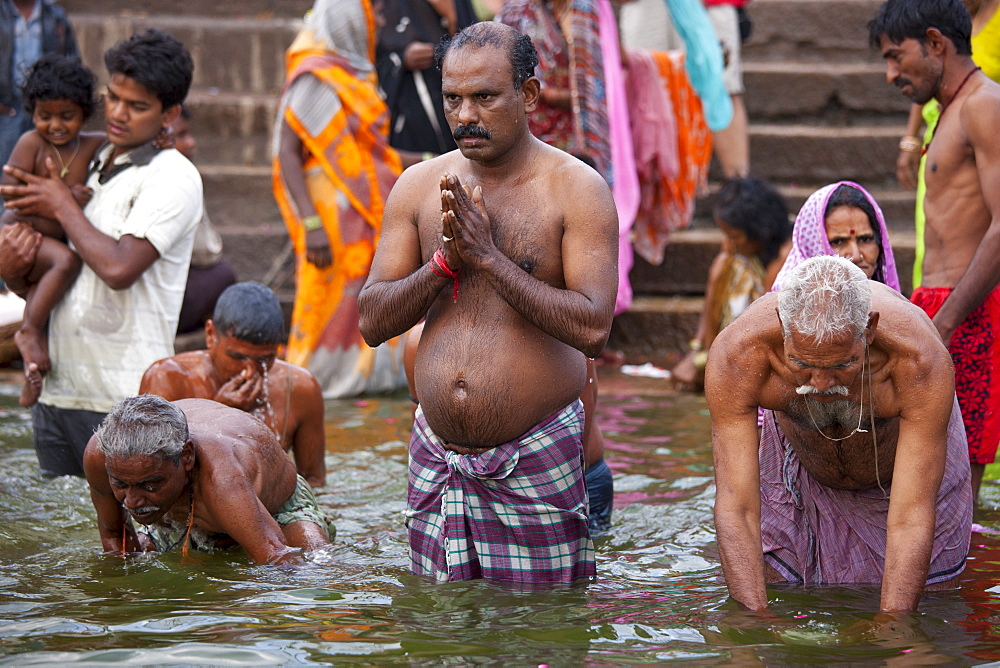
(240, 368)
(197, 473)
(825, 496)
(509, 247)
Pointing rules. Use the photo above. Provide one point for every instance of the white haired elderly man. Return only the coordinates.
(861, 471)
(196, 473)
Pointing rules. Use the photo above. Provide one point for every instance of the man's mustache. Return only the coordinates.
(473, 131)
(143, 511)
(809, 389)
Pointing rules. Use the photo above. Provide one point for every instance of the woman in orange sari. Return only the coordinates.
(333, 168)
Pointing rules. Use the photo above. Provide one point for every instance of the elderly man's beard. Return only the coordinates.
(841, 413)
(824, 414)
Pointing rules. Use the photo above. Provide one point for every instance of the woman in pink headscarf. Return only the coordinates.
(842, 219)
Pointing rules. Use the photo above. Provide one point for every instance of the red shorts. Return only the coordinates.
(974, 350)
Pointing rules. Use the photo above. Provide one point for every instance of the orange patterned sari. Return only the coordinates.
(349, 170)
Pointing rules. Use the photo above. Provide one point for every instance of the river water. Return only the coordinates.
(658, 597)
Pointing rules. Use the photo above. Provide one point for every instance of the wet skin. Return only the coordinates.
(534, 238)
(233, 372)
(233, 469)
(962, 166)
(911, 385)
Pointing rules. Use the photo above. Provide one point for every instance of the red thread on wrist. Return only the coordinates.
(439, 265)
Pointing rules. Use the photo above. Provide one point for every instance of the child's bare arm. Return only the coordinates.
(23, 156)
(26, 156)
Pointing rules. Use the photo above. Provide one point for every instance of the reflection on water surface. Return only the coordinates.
(657, 598)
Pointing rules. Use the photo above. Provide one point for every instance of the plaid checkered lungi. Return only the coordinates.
(515, 513)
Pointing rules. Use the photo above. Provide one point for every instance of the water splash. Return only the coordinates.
(263, 409)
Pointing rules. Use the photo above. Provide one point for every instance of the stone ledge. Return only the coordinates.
(656, 329)
(804, 153)
(239, 195)
(229, 53)
(821, 90)
(814, 30)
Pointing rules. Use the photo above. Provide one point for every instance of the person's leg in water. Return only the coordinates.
(55, 269)
(600, 487)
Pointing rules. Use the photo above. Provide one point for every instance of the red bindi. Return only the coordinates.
(852, 232)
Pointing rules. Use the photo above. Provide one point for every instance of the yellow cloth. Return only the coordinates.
(986, 47)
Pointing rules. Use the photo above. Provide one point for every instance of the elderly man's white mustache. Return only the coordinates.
(809, 389)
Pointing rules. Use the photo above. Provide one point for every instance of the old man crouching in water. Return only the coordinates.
(197, 473)
(824, 496)
(512, 256)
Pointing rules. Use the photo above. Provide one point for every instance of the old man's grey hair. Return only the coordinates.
(143, 426)
(825, 297)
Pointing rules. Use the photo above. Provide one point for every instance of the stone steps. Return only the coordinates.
(897, 204)
(810, 30)
(244, 55)
(830, 92)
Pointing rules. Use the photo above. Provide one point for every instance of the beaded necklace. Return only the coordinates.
(944, 107)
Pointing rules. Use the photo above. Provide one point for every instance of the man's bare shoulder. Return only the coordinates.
(570, 187)
(740, 359)
(94, 466)
(191, 359)
(428, 172)
(907, 334)
(303, 382)
(756, 326)
(980, 116)
(228, 435)
(415, 184)
(566, 170)
(207, 412)
(182, 368)
(982, 100)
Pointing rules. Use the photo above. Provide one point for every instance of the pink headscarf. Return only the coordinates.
(809, 236)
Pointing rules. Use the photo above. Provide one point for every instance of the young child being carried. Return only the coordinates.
(59, 94)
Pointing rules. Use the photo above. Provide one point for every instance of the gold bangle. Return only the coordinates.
(694, 345)
(910, 144)
(700, 359)
(427, 155)
(313, 222)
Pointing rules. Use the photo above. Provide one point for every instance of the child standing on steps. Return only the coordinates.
(59, 94)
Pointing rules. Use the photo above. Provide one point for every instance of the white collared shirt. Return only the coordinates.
(102, 340)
